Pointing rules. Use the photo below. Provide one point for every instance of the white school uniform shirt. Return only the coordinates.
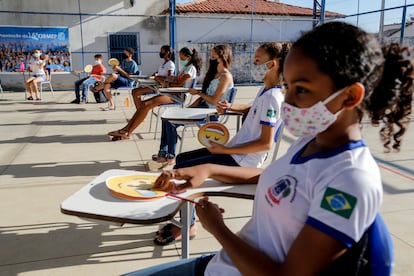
(165, 67)
(36, 67)
(337, 192)
(265, 110)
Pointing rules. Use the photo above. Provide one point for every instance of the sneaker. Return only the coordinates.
(30, 98)
(38, 99)
(75, 101)
(83, 102)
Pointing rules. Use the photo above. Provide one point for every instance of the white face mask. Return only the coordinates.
(36, 55)
(98, 61)
(311, 120)
(260, 71)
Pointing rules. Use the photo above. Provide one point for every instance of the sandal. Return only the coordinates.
(122, 133)
(167, 235)
(108, 108)
(119, 138)
(30, 98)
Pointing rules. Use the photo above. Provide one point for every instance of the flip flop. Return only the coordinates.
(119, 133)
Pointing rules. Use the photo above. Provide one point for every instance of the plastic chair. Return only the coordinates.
(47, 82)
(156, 111)
(381, 250)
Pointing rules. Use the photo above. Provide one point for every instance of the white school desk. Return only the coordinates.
(95, 201)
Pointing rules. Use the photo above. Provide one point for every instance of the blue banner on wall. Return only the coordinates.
(17, 43)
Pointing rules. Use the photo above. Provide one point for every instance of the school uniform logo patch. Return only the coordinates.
(271, 113)
(338, 202)
(283, 189)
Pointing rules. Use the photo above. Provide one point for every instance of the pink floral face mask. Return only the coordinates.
(311, 120)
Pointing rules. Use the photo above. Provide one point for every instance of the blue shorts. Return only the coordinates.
(120, 81)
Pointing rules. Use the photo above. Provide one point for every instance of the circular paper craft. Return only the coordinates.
(215, 132)
(88, 68)
(113, 62)
(134, 187)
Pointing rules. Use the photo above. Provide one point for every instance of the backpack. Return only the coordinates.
(99, 95)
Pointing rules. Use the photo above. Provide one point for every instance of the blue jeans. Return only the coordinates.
(85, 82)
(169, 138)
(188, 267)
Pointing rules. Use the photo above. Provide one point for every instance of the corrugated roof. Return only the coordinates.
(263, 7)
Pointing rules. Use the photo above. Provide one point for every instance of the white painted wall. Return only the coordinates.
(101, 17)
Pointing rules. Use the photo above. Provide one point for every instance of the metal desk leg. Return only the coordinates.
(185, 230)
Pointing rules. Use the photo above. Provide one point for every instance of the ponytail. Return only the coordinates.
(195, 58)
(390, 101)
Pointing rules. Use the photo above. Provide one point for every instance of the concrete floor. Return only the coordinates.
(49, 150)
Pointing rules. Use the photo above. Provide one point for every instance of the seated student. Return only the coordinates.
(37, 67)
(249, 147)
(190, 63)
(121, 78)
(165, 71)
(95, 75)
(314, 204)
(216, 88)
(66, 66)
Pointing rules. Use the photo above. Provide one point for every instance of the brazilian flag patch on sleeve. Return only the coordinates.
(338, 202)
(271, 113)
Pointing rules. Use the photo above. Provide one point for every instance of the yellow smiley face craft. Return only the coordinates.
(214, 132)
(113, 62)
(134, 187)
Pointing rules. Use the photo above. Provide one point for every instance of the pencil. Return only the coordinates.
(182, 198)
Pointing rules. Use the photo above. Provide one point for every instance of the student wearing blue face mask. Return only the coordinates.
(189, 70)
(314, 205)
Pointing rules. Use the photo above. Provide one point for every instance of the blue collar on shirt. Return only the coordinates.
(265, 90)
(297, 159)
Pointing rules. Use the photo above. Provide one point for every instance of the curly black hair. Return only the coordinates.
(348, 55)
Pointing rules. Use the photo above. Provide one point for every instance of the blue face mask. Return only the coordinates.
(183, 63)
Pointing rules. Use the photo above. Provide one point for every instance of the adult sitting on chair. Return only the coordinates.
(121, 78)
(216, 88)
(37, 65)
(95, 75)
(190, 64)
(249, 147)
(165, 72)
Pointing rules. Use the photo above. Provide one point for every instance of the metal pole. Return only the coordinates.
(81, 34)
(322, 18)
(251, 38)
(381, 26)
(172, 24)
(404, 17)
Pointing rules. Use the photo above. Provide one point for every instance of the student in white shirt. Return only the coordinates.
(191, 64)
(316, 202)
(164, 72)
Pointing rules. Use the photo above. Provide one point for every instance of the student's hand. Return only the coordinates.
(192, 176)
(210, 215)
(217, 148)
(222, 107)
(193, 91)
